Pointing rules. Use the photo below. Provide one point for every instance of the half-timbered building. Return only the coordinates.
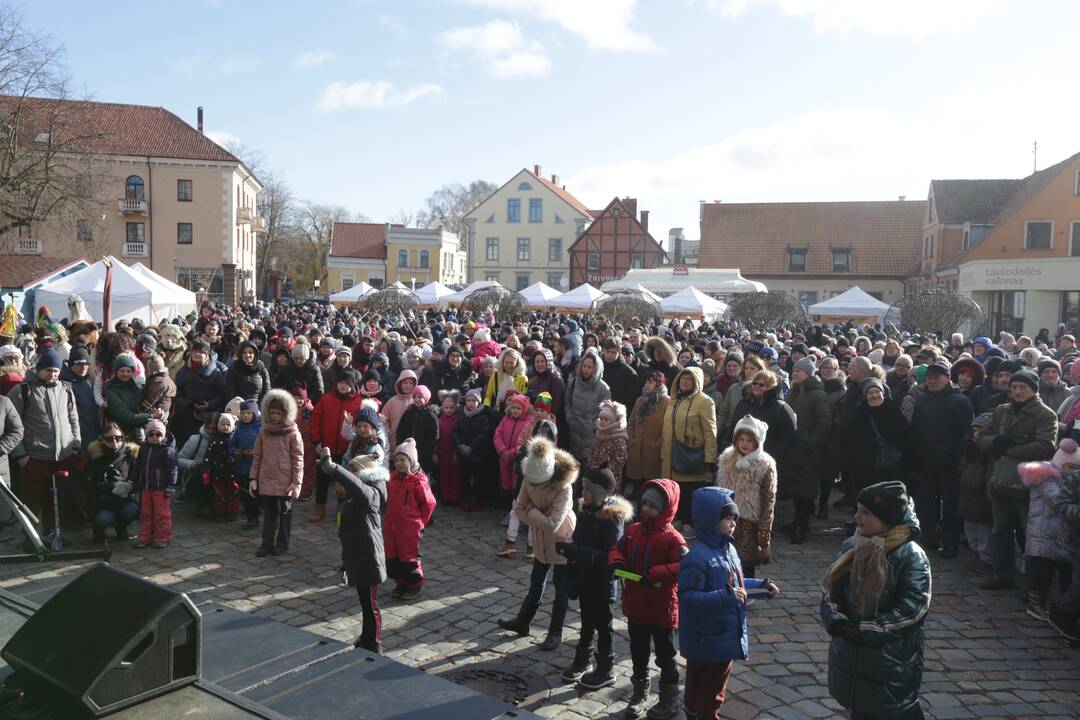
(616, 241)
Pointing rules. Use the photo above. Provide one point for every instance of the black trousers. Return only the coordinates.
(371, 630)
(322, 481)
(277, 521)
(662, 641)
(1040, 573)
(686, 499)
(249, 501)
(596, 620)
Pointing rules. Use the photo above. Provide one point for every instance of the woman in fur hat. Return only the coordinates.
(750, 472)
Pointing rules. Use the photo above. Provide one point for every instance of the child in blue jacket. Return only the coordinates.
(241, 450)
(712, 603)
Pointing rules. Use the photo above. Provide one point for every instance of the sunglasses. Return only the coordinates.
(113, 438)
(155, 433)
(760, 384)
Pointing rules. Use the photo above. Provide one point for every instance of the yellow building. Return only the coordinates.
(415, 257)
(523, 232)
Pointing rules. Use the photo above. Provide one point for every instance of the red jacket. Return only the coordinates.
(654, 549)
(327, 418)
(409, 506)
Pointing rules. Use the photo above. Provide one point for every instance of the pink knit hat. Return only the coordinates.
(1068, 453)
(155, 425)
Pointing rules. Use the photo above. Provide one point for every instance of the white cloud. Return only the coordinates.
(312, 59)
(372, 94)
(223, 137)
(501, 46)
(232, 65)
(889, 18)
(603, 24)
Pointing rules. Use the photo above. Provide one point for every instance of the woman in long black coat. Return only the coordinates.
(877, 414)
(247, 377)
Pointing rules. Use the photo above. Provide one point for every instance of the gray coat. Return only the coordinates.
(11, 434)
(1033, 431)
(360, 531)
(1045, 531)
(50, 420)
(724, 410)
(582, 406)
(1055, 396)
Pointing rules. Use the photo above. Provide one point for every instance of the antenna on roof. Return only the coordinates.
(1035, 157)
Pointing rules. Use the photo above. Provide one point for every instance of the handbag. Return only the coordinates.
(888, 453)
(686, 460)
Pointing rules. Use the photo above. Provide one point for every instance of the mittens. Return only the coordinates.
(121, 488)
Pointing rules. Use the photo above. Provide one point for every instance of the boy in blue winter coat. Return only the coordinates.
(242, 449)
(712, 601)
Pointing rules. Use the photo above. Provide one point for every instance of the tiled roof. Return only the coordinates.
(358, 240)
(974, 201)
(111, 128)
(18, 270)
(884, 237)
(561, 192)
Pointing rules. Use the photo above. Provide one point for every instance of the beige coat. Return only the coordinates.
(548, 507)
(693, 419)
(643, 449)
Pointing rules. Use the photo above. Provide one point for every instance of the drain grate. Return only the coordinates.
(509, 687)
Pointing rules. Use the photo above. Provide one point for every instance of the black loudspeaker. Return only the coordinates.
(106, 641)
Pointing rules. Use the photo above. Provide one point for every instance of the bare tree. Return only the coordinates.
(766, 309)
(314, 223)
(490, 299)
(628, 307)
(390, 301)
(404, 218)
(447, 206)
(938, 311)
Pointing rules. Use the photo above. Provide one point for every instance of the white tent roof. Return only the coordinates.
(693, 302)
(852, 303)
(353, 294)
(433, 293)
(397, 286)
(583, 297)
(662, 281)
(639, 288)
(134, 294)
(459, 297)
(539, 295)
(160, 279)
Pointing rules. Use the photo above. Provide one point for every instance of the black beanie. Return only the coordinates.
(600, 482)
(1026, 376)
(888, 500)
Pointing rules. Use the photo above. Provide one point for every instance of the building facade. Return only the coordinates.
(616, 241)
(357, 254)
(523, 232)
(157, 191)
(415, 257)
(816, 251)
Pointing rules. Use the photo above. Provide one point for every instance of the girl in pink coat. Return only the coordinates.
(277, 470)
(409, 506)
(396, 406)
(511, 434)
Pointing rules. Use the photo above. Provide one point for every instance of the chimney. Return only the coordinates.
(631, 206)
(645, 220)
(536, 170)
(554, 179)
(902, 197)
(200, 119)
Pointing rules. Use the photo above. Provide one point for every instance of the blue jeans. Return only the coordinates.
(107, 518)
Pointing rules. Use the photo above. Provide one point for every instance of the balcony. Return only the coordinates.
(135, 249)
(132, 207)
(28, 246)
(244, 215)
(258, 224)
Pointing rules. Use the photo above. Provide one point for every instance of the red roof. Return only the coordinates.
(20, 270)
(358, 240)
(109, 128)
(561, 192)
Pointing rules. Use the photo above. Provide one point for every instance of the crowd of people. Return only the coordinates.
(645, 461)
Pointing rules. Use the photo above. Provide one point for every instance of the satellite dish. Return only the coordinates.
(563, 282)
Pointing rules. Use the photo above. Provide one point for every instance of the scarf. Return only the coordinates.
(614, 431)
(650, 400)
(504, 383)
(469, 413)
(867, 566)
(1074, 412)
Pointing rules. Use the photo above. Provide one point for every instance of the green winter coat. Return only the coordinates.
(802, 466)
(1033, 432)
(880, 676)
(124, 399)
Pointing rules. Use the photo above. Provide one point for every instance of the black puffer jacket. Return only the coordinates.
(309, 375)
(250, 382)
(939, 430)
(107, 467)
(360, 530)
(623, 382)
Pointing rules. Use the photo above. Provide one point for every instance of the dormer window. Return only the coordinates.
(841, 260)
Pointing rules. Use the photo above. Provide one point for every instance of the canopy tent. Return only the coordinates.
(582, 299)
(539, 296)
(854, 304)
(397, 286)
(693, 303)
(459, 297)
(433, 294)
(353, 294)
(160, 279)
(134, 294)
(641, 289)
(663, 281)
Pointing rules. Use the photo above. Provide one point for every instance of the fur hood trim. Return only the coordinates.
(617, 509)
(286, 399)
(96, 450)
(659, 346)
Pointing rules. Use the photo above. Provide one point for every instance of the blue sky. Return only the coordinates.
(372, 104)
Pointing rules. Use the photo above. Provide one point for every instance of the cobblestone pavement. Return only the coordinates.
(984, 657)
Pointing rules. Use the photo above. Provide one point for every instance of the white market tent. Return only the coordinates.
(644, 291)
(397, 286)
(459, 297)
(582, 298)
(691, 302)
(539, 296)
(134, 294)
(854, 304)
(161, 279)
(663, 281)
(433, 294)
(353, 294)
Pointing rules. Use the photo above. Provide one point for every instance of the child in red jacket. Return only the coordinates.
(512, 432)
(409, 506)
(343, 399)
(653, 549)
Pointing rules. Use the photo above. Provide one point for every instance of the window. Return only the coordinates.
(579, 227)
(1038, 234)
(1077, 188)
(554, 250)
(966, 242)
(513, 210)
(136, 232)
(840, 260)
(402, 258)
(376, 281)
(876, 294)
(494, 276)
(83, 230)
(554, 279)
(592, 261)
(536, 210)
(1074, 245)
(796, 260)
(558, 220)
(524, 249)
(491, 250)
(183, 190)
(425, 259)
(522, 281)
(133, 188)
(808, 297)
(183, 233)
(524, 186)
(347, 282)
(637, 261)
(931, 245)
(210, 279)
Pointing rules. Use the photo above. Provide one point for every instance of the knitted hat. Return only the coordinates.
(155, 426)
(538, 466)
(476, 393)
(758, 428)
(276, 403)
(612, 411)
(226, 422)
(522, 401)
(729, 509)
(735, 356)
(920, 373)
(200, 346)
(347, 375)
(155, 364)
(123, 361)
(251, 406)
(233, 406)
(148, 342)
(408, 449)
(79, 356)
(984, 420)
(543, 402)
(369, 416)
(49, 359)
(655, 497)
(301, 352)
(866, 385)
(1068, 453)
(807, 365)
(600, 482)
(1048, 363)
(1026, 376)
(422, 391)
(344, 350)
(372, 375)
(1010, 366)
(887, 500)
(940, 366)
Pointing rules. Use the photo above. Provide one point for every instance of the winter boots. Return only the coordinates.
(580, 665)
(1065, 624)
(1035, 604)
(803, 510)
(601, 676)
(520, 623)
(639, 700)
(318, 512)
(554, 633)
(668, 706)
